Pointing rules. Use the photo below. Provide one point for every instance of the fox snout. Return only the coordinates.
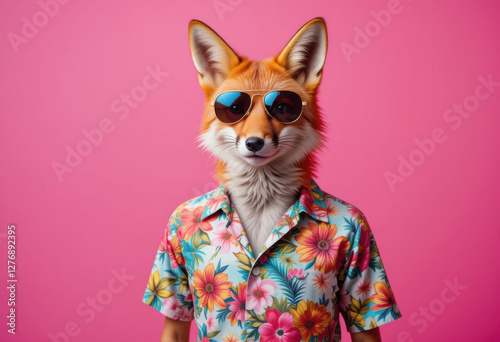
(255, 150)
(254, 144)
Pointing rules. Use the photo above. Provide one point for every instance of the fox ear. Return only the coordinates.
(212, 57)
(305, 54)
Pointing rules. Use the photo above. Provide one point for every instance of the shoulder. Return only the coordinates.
(345, 207)
(347, 217)
(193, 207)
(196, 202)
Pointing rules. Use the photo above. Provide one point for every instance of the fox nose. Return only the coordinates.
(254, 144)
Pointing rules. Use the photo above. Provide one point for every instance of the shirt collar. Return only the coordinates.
(311, 201)
(217, 200)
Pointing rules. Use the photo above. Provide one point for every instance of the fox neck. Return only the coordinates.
(261, 195)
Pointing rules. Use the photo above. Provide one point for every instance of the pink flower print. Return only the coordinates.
(210, 322)
(278, 328)
(296, 272)
(185, 315)
(260, 294)
(362, 257)
(171, 305)
(236, 228)
(223, 238)
(237, 306)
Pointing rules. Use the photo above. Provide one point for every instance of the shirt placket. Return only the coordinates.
(242, 237)
(294, 216)
(247, 249)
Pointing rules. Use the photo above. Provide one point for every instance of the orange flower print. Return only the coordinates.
(311, 319)
(383, 298)
(321, 282)
(364, 288)
(318, 242)
(319, 211)
(285, 221)
(177, 252)
(191, 222)
(170, 244)
(332, 210)
(211, 289)
(230, 338)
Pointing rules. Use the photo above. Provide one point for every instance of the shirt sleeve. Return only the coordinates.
(168, 288)
(366, 298)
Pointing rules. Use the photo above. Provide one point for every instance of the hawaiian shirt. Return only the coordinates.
(320, 260)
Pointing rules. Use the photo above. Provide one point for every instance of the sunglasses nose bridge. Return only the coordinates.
(262, 95)
(253, 95)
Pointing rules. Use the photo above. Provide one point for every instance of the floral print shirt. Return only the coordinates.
(320, 260)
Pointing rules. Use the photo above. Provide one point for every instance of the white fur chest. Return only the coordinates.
(259, 221)
(261, 197)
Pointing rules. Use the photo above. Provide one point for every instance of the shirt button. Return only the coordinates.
(256, 271)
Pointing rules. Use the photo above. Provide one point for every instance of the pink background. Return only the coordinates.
(109, 213)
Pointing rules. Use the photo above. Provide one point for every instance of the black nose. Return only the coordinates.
(254, 144)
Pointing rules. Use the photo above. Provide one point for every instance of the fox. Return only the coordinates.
(262, 162)
(264, 128)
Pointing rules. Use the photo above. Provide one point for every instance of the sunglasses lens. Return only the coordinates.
(283, 106)
(230, 107)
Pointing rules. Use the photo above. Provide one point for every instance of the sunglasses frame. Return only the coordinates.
(261, 91)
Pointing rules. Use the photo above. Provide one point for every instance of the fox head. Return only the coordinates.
(258, 142)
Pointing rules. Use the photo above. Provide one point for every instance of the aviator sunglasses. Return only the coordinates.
(282, 105)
